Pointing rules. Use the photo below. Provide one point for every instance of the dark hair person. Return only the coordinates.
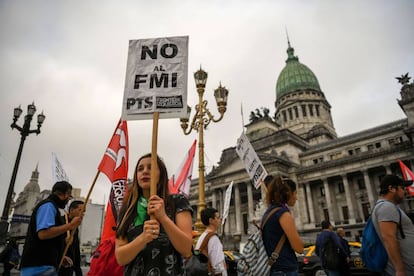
(153, 246)
(282, 193)
(45, 239)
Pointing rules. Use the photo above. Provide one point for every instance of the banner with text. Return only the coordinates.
(156, 78)
(251, 161)
(227, 203)
(58, 173)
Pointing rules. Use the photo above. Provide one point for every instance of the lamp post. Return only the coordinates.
(200, 121)
(24, 132)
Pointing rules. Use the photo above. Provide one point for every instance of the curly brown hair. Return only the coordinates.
(279, 190)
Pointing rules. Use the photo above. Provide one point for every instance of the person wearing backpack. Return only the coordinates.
(330, 250)
(210, 217)
(388, 218)
(345, 270)
(281, 194)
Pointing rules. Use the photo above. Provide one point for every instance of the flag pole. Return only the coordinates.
(242, 116)
(72, 232)
(154, 164)
(223, 234)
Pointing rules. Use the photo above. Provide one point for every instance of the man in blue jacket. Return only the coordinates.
(339, 255)
(45, 237)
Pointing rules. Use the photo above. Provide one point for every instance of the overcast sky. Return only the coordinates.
(69, 57)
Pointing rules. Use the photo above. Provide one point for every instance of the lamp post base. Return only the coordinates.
(4, 228)
(200, 227)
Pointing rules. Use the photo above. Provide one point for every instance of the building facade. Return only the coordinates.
(337, 177)
(89, 230)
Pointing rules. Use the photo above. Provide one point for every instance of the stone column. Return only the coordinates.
(237, 207)
(263, 193)
(219, 203)
(349, 199)
(370, 190)
(250, 203)
(214, 199)
(300, 212)
(388, 169)
(309, 199)
(328, 200)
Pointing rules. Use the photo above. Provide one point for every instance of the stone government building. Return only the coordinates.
(337, 177)
(89, 230)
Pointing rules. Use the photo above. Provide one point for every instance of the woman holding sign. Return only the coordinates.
(153, 246)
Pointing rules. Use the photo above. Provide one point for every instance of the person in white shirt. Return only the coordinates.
(210, 217)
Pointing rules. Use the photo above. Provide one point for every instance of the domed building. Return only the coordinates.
(32, 195)
(24, 205)
(337, 177)
(300, 104)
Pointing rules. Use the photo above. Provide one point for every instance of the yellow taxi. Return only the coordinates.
(310, 265)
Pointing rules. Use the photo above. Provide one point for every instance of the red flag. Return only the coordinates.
(408, 175)
(180, 182)
(114, 165)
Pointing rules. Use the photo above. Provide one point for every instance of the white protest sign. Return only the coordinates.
(58, 173)
(251, 161)
(227, 203)
(156, 78)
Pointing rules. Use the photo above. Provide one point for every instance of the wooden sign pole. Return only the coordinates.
(154, 164)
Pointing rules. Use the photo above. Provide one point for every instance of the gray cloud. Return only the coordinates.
(70, 59)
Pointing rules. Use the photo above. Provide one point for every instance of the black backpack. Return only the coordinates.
(330, 254)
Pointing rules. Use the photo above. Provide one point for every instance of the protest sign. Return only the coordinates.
(156, 78)
(251, 161)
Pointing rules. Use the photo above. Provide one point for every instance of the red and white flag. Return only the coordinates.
(408, 175)
(180, 182)
(114, 165)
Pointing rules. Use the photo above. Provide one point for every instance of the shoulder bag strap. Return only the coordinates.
(399, 213)
(400, 225)
(275, 253)
(204, 244)
(204, 248)
(274, 210)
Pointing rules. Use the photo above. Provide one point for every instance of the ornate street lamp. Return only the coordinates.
(200, 121)
(24, 132)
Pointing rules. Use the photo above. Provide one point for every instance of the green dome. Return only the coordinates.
(295, 76)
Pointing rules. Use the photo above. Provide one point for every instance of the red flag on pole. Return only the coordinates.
(180, 182)
(114, 165)
(408, 175)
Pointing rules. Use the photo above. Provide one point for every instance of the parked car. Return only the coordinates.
(310, 265)
(231, 258)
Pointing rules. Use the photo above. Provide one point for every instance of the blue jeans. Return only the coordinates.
(38, 271)
(281, 273)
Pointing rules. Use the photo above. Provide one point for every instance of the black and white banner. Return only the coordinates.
(58, 173)
(227, 203)
(156, 78)
(251, 161)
